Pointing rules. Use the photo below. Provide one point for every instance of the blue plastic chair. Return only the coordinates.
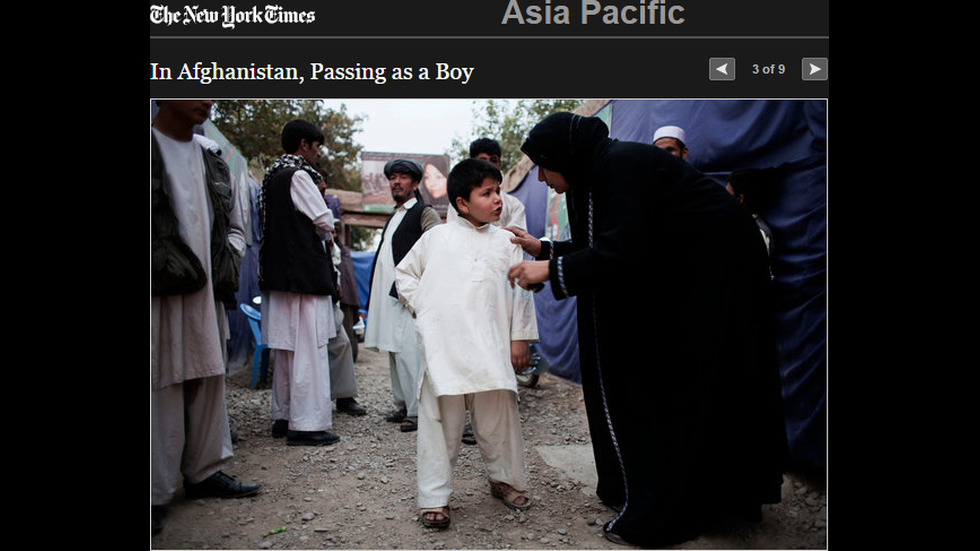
(260, 363)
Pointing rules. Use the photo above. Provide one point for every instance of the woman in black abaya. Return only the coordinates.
(675, 341)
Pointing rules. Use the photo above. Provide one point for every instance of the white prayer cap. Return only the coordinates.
(670, 132)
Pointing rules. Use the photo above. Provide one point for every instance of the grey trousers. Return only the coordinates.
(343, 382)
(189, 438)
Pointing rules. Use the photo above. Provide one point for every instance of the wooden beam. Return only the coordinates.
(350, 201)
(352, 210)
(367, 219)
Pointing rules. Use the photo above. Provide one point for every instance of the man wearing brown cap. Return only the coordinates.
(390, 326)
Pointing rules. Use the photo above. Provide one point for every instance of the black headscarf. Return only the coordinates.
(758, 185)
(565, 142)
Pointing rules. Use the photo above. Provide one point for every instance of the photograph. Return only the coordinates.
(713, 210)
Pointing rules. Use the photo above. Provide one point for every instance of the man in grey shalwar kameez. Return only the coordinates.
(190, 437)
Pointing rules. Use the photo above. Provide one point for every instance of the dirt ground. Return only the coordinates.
(360, 492)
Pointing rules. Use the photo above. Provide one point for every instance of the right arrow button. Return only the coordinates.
(814, 68)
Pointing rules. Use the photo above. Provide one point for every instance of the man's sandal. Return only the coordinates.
(511, 497)
(431, 517)
(396, 416)
(409, 424)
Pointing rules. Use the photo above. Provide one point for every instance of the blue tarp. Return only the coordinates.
(240, 344)
(363, 260)
(723, 136)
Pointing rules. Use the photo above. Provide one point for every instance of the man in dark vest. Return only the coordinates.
(296, 279)
(390, 326)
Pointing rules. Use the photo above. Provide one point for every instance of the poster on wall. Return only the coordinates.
(374, 185)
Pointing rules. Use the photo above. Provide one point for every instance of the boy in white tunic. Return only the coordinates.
(474, 330)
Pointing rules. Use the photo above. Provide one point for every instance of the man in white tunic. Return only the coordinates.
(474, 329)
(296, 278)
(190, 437)
(390, 327)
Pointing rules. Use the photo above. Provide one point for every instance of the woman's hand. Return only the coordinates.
(528, 273)
(530, 244)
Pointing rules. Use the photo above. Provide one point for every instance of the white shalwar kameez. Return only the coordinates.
(390, 326)
(298, 329)
(467, 314)
(190, 434)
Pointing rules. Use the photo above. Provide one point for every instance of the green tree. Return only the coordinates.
(255, 127)
(508, 122)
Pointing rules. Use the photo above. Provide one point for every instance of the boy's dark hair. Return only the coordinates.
(298, 130)
(468, 175)
(484, 145)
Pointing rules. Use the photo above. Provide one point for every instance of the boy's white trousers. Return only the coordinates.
(496, 426)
